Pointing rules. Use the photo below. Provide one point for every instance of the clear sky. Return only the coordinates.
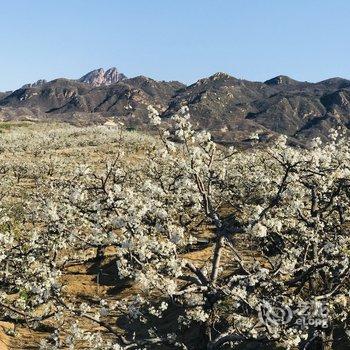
(174, 39)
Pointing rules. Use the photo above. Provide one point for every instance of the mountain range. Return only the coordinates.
(232, 109)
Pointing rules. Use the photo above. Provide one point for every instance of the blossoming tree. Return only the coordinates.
(223, 248)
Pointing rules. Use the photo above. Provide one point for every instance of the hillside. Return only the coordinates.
(232, 109)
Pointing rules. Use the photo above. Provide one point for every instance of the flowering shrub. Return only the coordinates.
(212, 241)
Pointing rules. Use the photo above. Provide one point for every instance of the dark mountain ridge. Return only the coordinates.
(230, 108)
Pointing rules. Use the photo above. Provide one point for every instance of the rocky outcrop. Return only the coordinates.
(38, 83)
(100, 77)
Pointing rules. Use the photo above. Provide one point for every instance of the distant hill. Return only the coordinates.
(230, 108)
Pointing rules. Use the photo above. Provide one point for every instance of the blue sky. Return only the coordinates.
(174, 39)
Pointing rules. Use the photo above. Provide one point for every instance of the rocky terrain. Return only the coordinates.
(232, 109)
(99, 77)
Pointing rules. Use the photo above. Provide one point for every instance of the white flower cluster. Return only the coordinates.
(203, 235)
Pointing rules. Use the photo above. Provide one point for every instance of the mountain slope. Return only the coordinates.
(126, 99)
(230, 108)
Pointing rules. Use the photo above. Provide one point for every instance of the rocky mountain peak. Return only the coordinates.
(100, 77)
(38, 83)
(220, 75)
(281, 80)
